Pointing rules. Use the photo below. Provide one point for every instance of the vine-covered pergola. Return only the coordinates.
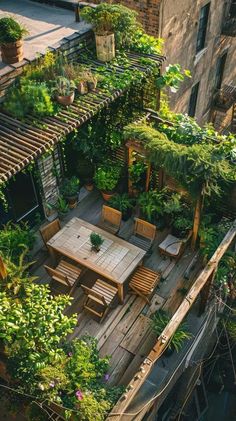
(197, 168)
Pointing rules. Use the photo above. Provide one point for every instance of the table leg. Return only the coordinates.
(121, 293)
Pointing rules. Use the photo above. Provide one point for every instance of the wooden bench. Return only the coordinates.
(144, 281)
(66, 274)
(143, 234)
(110, 219)
(99, 298)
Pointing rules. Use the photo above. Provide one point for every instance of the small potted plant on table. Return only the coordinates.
(11, 40)
(64, 91)
(69, 190)
(106, 179)
(96, 241)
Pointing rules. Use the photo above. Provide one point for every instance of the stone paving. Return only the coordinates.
(46, 24)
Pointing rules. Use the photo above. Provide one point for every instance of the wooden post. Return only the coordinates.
(118, 412)
(196, 221)
(205, 293)
(130, 151)
(77, 14)
(3, 270)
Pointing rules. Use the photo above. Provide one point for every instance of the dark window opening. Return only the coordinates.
(22, 195)
(193, 100)
(202, 27)
(220, 66)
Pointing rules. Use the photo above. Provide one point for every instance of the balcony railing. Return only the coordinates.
(225, 97)
(229, 26)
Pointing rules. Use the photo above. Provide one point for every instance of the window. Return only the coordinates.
(220, 70)
(202, 27)
(193, 100)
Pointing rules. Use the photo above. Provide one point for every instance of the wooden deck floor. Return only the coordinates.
(125, 333)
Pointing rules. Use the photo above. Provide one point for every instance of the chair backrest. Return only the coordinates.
(50, 230)
(113, 216)
(145, 229)
(98, 298)
(57, 276)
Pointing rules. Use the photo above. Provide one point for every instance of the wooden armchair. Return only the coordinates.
(173, 246)
(110, 219)
(50, 230)
(99, 298)
(65, 273)
(144, 281)
(143, 234)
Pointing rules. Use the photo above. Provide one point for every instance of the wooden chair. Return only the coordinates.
(65, 273)
(110, 219)
(173, 246)
(144, 281)
(50, 230)
(143, 234)
(99, 298)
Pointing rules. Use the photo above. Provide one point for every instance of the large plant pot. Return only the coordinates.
(72, 201)
(105, 47)
(12, 52)
(107, 195)
(66, 100)
(82, 88)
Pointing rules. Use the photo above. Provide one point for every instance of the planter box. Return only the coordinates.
(105, 47)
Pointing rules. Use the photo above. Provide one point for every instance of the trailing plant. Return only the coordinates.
(107, 176)
(159, 322)
(172, 77)
(16, 238)
(137, 172)
(11, 30)
(29, 98)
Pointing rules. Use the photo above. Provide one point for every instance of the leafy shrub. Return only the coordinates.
(151, 204)
(121, 202)
(11, 30)
(29, 97)
(107, 177)
(70, 187)
(14, 239)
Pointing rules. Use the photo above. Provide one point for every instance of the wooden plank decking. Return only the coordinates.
(125, 333)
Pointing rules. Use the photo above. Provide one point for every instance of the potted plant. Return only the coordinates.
(81, 83)
(106, 179)
(181, 226)
(92, 81)
(96, 241)
(11, 40)
(61, 207)
(64, 90)
(137, 175)
(159, 321)
(69, 190)
(151, 205)
(103, 20)
(123, 203)
(50, 211)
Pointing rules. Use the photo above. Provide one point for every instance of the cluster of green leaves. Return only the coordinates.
(14, 239)
(172, 77)
(11, 30)
(70, 187)
(198, 168)
(107, 176)
(158, 323)
(121, 202)
(40, 360)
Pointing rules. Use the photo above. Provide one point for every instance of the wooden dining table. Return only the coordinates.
(115, 261)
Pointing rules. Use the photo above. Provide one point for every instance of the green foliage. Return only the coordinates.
(144, 43)
(137, 172)
(96, 240)
(151, 204)
(121, 202)
(14, 239)
(107, 177)
(61, 206)
(11, 30)
(182, 224)
(29, 97)
(198, 168)
(63, 86)
(172, 77)
(159, 322)
(70, 187)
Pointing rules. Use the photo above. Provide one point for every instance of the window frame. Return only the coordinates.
(193, 99)
(202, 27)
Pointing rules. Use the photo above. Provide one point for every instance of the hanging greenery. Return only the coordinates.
(198, 168)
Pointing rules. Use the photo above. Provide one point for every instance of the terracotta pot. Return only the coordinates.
(66, 100)
(105, 47)
(12, 52)
(89, 186)
(72, 201)
(107, 195)
(82, 88)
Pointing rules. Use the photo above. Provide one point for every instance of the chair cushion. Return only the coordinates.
(171, 245)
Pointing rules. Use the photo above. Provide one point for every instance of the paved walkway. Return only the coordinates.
(46, 24)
